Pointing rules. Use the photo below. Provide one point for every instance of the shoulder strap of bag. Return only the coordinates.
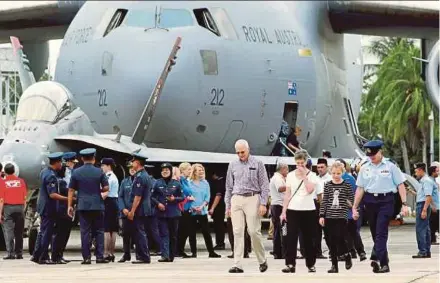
(300, 184)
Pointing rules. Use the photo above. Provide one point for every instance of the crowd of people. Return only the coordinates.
(158, 216)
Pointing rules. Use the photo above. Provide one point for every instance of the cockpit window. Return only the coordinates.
(45, 102)
(116, 20)
(172, 18)
(205, 20)
(224, 24)
(166, 18)
(140, 18)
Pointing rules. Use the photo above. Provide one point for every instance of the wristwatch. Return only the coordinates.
(404, 203)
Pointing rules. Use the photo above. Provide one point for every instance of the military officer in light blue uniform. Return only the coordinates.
(47, 207)
(89, 182)
(141, 208)
(423, 211)
(377, 182)
(167, 193)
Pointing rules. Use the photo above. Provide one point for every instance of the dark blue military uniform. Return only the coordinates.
(125, 201)
(169, 218)
(63, 224)
(380, 182)
(87, 181)
(142, 187)
(47, 209)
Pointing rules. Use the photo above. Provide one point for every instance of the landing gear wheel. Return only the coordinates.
(32, 240)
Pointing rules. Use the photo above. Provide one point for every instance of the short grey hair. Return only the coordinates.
(281, 165)
(301, 154)
(242, 142)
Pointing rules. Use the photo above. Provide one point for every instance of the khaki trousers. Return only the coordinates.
(246, 208)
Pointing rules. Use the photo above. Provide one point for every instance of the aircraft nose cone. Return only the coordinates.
(26, 157)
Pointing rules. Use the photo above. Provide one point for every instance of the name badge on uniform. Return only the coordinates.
(385, 173)
(252, 168)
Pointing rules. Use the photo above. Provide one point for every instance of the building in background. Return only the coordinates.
(10, 90)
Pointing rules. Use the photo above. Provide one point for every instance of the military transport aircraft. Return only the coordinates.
(241, 69)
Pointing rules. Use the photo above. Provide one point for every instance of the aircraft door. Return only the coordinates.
(290, 114)
(231, 136)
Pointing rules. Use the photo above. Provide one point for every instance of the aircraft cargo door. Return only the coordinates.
(231, 136)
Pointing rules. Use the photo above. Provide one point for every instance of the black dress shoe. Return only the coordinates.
(375, 266)
(231, 256)
(102, 260)
(18, 256)
(214, 255)
(278, 257)
(141, 262)
(312, 269)
(384, 269)
(300, 257)
(263, 266)
(87, 261)
(419, 255)
(235, 270)
(124, 259)
(163, 259)
(33, 259)
(353, 255)
(362, 257)
(434, 243)
(271, 253)
(9, 257)
(333, 269)
(288, 269)
(348, 262)
(246, 255)
(321, 256)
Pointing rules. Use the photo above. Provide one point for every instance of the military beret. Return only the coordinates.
(70, 156)
(55, 156)
(88, 152)
(107, 161)
(420, 165)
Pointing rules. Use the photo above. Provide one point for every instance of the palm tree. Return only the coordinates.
(398, 98)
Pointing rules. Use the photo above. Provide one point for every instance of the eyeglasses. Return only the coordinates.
(241, 152)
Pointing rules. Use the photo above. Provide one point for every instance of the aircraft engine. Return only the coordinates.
(432, 75)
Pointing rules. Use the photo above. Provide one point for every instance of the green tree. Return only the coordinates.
(396, 105)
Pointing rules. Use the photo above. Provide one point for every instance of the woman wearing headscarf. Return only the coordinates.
(167, 193)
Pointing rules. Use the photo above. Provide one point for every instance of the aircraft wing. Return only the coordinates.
(126, 146)
(25, 19)
(412, 19)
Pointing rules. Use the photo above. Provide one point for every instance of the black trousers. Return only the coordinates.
(247, 237)
(336, 231)
(128, 236)
(218, 218)
(434, 224)
(63, 226)
(353, 238)
(184, 232)
(301, 221)
(319, 231)
(279, 245)
(202, 220)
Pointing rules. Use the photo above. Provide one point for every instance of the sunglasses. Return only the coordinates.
(241, 152)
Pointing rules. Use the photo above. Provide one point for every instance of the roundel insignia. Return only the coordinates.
(368, 150)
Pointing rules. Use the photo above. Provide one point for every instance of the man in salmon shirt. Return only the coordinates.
(12, 200)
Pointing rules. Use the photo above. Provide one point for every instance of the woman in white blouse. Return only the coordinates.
(299, 212)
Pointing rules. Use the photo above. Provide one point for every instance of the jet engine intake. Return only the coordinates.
(432, 75)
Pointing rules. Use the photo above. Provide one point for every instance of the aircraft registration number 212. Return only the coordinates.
(218, 95)
(102, 95)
